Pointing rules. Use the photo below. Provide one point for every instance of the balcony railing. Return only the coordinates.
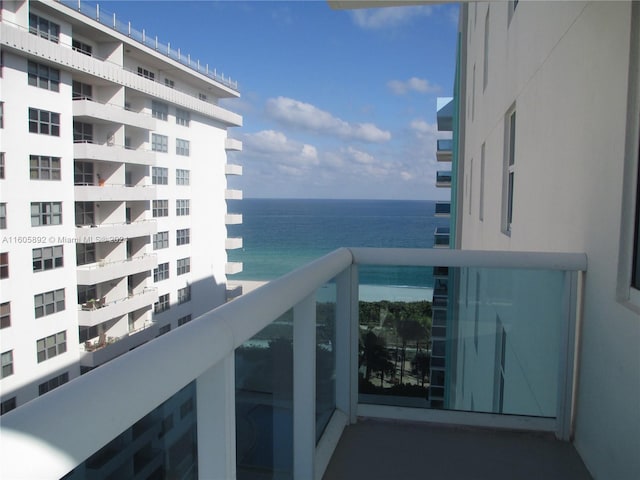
(444, 150)
(115, 232)
(236, 383)
(443, 209)
(103, 271)
(108, 19)
(443, 179)
(86, 109)
(109, 192)
(441, 237)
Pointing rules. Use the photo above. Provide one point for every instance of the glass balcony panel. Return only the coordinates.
(395, 333)
(325, 356)
(264, 402)
(445, 144)
(494, 347)
(161, 445)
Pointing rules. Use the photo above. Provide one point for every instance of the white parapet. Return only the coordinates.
(233, 219)
(232, 268)
(233, 243)
(232, 169)
(233, 144)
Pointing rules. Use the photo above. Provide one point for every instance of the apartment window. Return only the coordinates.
(87, 293)
(183, 320)
(44, 122)
(143, 72)
(183, 117)
(81, 47)
(184, 294)
(184, 265)
(5, 315)
(169, 83)
(1, 165)
(470, 185)
(3, 216)
(509, 175)
(159, 143)
(44, 28)
(182, 207)
(47, 258)
(49, 303)
(81, 91)
(183, 236)
(182, 147)
(51, 346)
(202, 96)
(42, 167)
(162, 304)
(473, 94)
(159, 176)
(83, 173)
(6, 359)
(85, 213)
(82, 132)
(55, 382)
(7, 405)
(182, 177)
(160, 208)
(85, 253)
(481, 202)
(160, 240)
(4, 265)
(167, 423)
(42, 76)
(161, 272)
(164, 329)
(46, 213)
(485, 71)
(159, 110)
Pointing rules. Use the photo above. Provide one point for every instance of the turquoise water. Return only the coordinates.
(280, 235)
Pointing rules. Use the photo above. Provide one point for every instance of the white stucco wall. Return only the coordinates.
(566, 66)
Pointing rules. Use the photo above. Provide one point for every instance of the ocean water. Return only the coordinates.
(280, 235)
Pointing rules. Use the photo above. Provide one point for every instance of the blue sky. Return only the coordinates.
(336, 104)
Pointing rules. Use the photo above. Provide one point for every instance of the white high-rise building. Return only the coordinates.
(113, 192)
(548, 161)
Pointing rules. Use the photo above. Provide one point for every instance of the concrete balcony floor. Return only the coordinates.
(379, 449)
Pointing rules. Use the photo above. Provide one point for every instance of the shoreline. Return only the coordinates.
(368, 293)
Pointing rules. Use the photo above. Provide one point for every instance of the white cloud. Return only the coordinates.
(414, 84)
(423, 128)
(276, 145)
(309, 117)
(360, 156)
(388, 17)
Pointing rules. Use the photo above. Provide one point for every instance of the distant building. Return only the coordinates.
(113, 191)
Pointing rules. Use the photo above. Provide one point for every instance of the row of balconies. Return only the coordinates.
(17, 38)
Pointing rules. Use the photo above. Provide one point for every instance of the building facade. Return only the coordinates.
(548, 161)
(113, 192)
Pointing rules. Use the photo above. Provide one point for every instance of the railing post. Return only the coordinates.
(216, 413)
(566, 350)
(347, 342)
(304, 388)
